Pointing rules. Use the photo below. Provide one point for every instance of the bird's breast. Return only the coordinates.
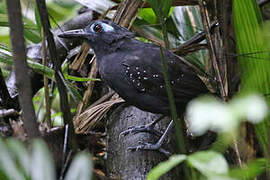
(109, 64)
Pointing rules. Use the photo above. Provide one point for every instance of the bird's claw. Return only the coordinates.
(149, 146)
(132, 129)
(137, 129)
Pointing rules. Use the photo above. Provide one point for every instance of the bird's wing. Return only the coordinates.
(144, 72)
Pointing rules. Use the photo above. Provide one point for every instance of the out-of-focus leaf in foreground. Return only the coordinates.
(255, 70)
(165, 166)
(81, 167)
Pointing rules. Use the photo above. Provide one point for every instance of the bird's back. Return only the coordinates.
(140, 77)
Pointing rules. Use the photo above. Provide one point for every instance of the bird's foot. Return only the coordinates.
(151, 147)
(143, 128)
(155, 147)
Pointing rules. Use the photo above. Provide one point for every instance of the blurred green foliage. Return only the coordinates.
(255, 69)
(35, 162)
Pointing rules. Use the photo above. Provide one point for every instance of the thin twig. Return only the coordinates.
(236, 148)
(65, 165)
(86, 97)
(65, 145)
(64, 104)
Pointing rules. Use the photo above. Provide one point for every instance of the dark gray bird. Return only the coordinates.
(134, 70)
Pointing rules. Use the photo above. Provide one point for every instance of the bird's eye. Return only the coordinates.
(97, 28)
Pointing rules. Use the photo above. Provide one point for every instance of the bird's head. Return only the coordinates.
(99, 33)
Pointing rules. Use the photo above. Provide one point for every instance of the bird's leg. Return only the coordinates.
(157, 146)
(143, 128)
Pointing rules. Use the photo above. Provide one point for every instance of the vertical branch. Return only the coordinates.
(165, 34)
(64, 104)
(178, 124)
(212, 50)
(227, 45)
(179, 134)
(21, 69)
(46, 87)
(162, 20)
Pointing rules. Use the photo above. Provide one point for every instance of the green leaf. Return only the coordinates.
(30, 29)
(3, 20)
(32, 36)
(187, 20)
(73, 91)
(4, 47)
(148, 15)
(21, 155)
(166, 6)
(3, 175)
(7, 164)
(39, 68)
(165, 166)
(4, 36)
(42, 163)
(28, 24)
(6, 57)
(80, 168)
(38, 21)
(161, 8)
(80, 79)
(255, 69)
(3, 7)
(250, 170)
(100, 6)
(209, 163)
(59, 13)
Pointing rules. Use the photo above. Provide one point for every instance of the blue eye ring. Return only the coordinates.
(101, 27)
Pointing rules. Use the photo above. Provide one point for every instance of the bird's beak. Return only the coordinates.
(77, 33)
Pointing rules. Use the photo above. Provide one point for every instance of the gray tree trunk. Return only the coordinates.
(129, 165)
